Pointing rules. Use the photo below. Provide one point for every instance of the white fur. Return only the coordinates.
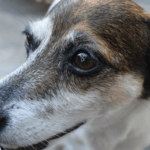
(126, 129)
(70, 35)
(41, 28)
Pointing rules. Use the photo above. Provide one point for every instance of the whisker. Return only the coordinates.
(7, 142)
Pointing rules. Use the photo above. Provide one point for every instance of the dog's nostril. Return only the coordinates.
(3, 123)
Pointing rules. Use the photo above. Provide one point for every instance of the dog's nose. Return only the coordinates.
(3, 121)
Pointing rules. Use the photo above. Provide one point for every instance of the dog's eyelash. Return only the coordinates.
(31, 44)
(26, 32)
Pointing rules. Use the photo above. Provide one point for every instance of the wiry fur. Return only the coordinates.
(48, 95)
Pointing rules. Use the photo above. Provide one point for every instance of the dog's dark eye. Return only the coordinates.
(31, 44)
(84, 61)
(29, 40)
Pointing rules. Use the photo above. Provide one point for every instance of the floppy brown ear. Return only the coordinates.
(146, 92)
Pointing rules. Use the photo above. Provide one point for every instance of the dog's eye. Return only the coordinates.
(84, 61)
(29, 40)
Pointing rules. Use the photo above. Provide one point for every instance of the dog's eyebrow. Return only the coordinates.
(80, 39)
(26, 31)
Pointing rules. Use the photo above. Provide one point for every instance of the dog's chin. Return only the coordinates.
(43, 144)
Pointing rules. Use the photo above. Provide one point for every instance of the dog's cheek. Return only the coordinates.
(125, 90)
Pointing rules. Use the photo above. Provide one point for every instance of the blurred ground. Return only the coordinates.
(14, 16)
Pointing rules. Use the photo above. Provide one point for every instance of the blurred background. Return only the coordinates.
(14, 16)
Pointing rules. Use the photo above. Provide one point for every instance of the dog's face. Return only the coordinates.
(85, 59)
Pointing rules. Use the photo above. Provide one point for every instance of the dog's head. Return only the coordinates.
(85, 59)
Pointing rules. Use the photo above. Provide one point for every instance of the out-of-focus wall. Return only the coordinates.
(45, 1)
(144, 3)
(14, 16)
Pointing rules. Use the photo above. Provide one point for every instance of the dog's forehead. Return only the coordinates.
(65, 14)
(42, 28)
(70, 15)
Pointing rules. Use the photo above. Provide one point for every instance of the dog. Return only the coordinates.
(85, 83)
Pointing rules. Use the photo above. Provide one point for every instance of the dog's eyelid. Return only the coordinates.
(27, 32)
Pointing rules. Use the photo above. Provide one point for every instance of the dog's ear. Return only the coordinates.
(146, 92)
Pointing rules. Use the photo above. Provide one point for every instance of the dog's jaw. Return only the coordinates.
(44, 144)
